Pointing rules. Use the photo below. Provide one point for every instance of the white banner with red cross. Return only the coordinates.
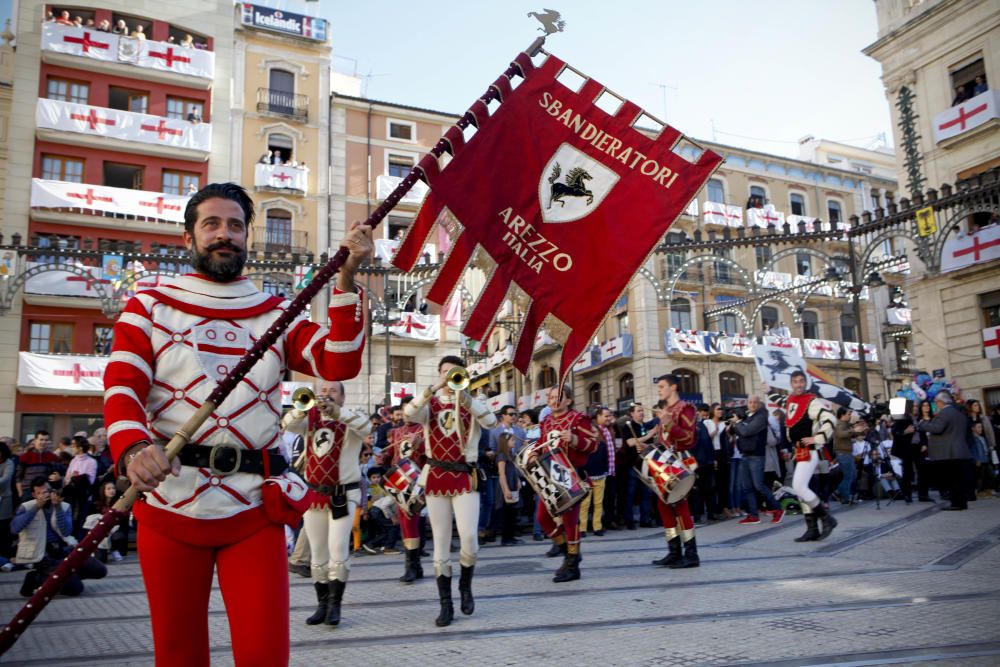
(965, 250)
(400, 390)
(60, 374)
(66, 283)
(991, 342)
(139, 203)
(413, 325)
(969, 114)
(765, 217)
(124, 125)
(821, 349)
(109, 47)
(851, 351)
(281, 176)
(735, 346)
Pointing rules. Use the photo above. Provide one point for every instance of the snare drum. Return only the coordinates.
(552, 476)
(668, 474)
(401, 481)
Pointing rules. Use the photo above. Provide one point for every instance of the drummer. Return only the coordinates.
(406, 442)
(577, 439)
(677, 431)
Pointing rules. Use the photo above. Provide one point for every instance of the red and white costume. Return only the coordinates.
(332, 453)
(678, 430)
(406, 442)
(577, 451)
(171, 345)
(449, 476)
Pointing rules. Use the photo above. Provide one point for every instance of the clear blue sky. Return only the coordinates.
(769, 69)
(774, 70)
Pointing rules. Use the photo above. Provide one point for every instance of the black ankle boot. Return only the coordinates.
(812, 530)
(690, 557)
(570, 570)
(465, 590)
(556, 550)
(673, 553)
(322, 597)
(447, 609)
(414, 570)
(333, 606)
(827, 522)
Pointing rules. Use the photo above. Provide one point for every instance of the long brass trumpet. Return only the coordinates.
(303, 399)
(458, 379)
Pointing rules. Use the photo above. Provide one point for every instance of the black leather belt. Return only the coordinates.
(226, 460)
(451, 466)
(333, 489)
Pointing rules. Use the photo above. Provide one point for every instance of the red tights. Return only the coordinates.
(570, 523)
(253, 576)
(670, 514)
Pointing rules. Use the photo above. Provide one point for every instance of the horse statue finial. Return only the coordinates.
(550, 20)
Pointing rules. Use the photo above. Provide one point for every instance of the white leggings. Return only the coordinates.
(466, 509)
(800, 482)
(330, 540)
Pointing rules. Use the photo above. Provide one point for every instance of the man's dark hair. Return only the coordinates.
(703, 407)
(670, 379)
(42, 432)
(404, 401)
(223, 191)
(450, 359)
(396, 407)
(38, 481)
(798, 374)
(841, 412)
(506, 408)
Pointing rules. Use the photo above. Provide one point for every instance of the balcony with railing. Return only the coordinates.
(88, 48)
(280, 241)
(283, 103)
(110, 129)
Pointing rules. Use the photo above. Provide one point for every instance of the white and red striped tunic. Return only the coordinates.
(171, 346)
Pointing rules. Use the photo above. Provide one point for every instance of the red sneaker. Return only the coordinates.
(749, 519)
(777, 516)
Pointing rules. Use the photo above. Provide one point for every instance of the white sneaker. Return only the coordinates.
(7, 567)
(115, 556)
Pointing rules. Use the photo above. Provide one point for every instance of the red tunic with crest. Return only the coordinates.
(679, 422)
(445, 446)
(577, 424)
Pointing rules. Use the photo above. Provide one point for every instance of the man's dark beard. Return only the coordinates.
(219, 270)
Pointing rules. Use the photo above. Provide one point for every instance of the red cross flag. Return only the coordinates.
(980, 247)
(991, 342)
(969, 114)
(549, 187)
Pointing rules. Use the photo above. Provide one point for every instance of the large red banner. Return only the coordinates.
(567, 199)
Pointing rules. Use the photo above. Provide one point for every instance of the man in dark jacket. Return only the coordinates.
(948, 449)
(751, 440)
(703, 505)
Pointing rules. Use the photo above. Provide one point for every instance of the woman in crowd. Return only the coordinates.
(115, 546)
(510, 485)
(7, 466)
(716, 428)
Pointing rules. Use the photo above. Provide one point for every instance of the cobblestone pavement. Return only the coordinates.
(904, 584)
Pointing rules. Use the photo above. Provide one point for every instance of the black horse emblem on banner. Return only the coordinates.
(573, 187)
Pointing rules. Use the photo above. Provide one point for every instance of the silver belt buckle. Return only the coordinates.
(236, 465)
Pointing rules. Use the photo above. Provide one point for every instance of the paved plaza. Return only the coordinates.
(904, 584)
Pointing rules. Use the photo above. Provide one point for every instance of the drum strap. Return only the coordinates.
(451, 466)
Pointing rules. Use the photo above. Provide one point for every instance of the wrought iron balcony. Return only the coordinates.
(280, 241)
(283, 103)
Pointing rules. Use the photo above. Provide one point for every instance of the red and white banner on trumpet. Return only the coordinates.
(549, 187)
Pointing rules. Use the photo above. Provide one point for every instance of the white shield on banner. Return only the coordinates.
(219, 347)
(322, 441)
(446, 421)
(572, 185)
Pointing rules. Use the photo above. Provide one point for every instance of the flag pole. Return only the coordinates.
(69, 565)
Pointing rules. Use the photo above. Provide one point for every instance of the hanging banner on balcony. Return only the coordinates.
(684, 342)
(60, 374)
(765, 217)
(400, 390)
(412, 325)
(991, 342)
(776, 364)
(282, 176)
(901, 317)
(821, 349)
(722, 214)
(617, 347)
(138, 203)
(735, 346)
(961, 251)
(965, 116)
(53, 282)
(851, 352)
(386, 248)
(124, 125)
(109, 47)
(809, 227)
(573, 173)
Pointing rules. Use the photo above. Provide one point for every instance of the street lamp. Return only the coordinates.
(858, 283)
